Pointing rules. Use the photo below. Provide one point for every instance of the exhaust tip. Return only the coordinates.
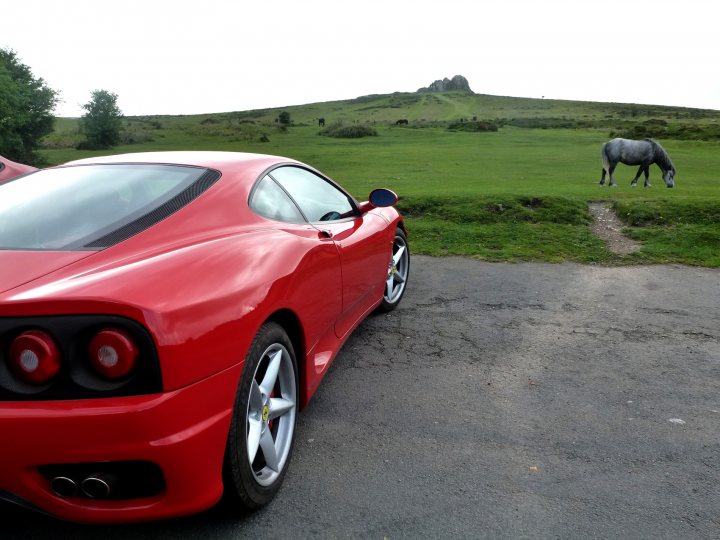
(63, 486)
(97, 486)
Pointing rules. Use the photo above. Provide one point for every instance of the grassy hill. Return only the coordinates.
(423, 109)
(518, 193)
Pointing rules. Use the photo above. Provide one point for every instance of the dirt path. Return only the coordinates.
(608, 227)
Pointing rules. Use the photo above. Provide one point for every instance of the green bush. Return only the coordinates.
(497, 209)
(61, 139)
(354, 131)
(548, 123)
(101, 122)
(234, 131)
(135, 137)
(671, 131)
(26, 105)
(474, 126)
(660, 129)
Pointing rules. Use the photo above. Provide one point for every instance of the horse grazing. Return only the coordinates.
(321, 122)
(630, 152)
(402, 122)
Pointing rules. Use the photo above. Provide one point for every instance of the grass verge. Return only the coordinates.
(671, 231)
(697, 245)
(510, 242)
(503, 228)
(555, 229)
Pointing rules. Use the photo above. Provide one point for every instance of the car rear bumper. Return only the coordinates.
(183, 432)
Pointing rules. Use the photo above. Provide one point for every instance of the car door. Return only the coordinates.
(364, 254)
(317, 285)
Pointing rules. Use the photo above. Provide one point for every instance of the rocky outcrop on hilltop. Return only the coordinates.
(457, 84)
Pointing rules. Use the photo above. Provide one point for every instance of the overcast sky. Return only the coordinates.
(185, 57)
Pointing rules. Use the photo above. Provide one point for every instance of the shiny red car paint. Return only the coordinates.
(202, 282)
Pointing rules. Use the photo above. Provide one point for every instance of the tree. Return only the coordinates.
(284, 118)
(26, 107)
(102, 121)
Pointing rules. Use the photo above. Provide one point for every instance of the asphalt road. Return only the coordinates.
(529, 400)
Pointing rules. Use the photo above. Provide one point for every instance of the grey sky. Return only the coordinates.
(184, 57)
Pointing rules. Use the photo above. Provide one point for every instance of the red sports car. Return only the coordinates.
(163, 318)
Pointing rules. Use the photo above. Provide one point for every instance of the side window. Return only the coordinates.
(318, 199)
(270, 201)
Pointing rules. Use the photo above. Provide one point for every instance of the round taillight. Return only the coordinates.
(34, 357)
(113, 353)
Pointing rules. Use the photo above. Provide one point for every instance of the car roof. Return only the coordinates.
(214, 160)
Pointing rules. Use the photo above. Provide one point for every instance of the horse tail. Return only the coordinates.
(604, 158)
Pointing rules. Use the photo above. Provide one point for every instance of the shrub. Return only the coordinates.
(473, 126)
(660, 129)
(349, 132)
(548, 123)
(26, 110)
(101, 122)
(61, 139)
(135, 137)
(496, 209)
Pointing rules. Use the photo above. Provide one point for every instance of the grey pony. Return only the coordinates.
(631, 152)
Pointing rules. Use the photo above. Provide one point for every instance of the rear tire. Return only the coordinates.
(262, 431)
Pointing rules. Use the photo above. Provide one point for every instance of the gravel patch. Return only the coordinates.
(608, 227)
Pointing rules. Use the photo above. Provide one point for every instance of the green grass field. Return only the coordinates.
(512, 195)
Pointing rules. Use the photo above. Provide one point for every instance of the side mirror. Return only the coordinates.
(379, 198)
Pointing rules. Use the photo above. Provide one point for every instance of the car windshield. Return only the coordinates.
(69, 207)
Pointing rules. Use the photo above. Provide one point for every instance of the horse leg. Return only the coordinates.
(647, 175)
(612, 176)
(634, 180)
(602, 180)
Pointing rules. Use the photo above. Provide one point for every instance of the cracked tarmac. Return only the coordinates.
(529, 400)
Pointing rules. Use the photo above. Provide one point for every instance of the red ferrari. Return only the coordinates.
(164, 317)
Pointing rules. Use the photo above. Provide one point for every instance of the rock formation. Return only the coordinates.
(457, 84)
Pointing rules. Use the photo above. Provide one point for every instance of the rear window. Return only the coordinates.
(93, 206)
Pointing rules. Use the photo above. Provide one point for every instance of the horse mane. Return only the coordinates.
(661, 156)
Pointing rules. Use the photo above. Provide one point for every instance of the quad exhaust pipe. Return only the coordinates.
(64, 487)
(108, 480)
(96, 486)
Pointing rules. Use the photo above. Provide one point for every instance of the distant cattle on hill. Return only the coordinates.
(402, 122)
